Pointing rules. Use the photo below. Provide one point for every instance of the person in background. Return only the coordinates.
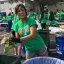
(51, 18)
(62, 15)
(25, 31)
(32, 14)
(62, 10)
(57, 13)
(43, 19)
(38, 23)
(12, 14)
(4, 16)
(9, 20)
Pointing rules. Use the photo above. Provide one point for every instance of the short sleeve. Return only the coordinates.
(16, 27)
(14, 21)
(32, 22)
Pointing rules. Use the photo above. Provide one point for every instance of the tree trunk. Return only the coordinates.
(41, 7)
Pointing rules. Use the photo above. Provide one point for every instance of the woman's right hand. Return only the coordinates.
(16, 40)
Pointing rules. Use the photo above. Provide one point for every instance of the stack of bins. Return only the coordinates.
(60, 44)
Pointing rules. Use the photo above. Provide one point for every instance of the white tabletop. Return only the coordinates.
(3, 23)
(55, 29)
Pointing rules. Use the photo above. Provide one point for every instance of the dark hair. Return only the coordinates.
(62, 10)
(51, 16)
(9, 14)
(30, 10)
(42, 15)
(17, 7)
(57, 10)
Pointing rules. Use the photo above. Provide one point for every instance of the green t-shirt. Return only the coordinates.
(4, 19)
(62, 16)
(12, 15)
(0, 17)
(52, 22)
(57, 14)
(14, 21)
(44, 19)
(48, 15)
(32, 15)
(32, 44)
(9, 17)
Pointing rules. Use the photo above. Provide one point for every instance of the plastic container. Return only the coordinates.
(60, 44)
(7, 59)
(43, 60)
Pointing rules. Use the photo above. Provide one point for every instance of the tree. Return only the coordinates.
(12, 1)
(42, 3)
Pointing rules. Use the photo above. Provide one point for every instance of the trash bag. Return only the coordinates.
(8, 43)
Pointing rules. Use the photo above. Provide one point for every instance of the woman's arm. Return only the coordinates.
(31, 35)
(16, 34)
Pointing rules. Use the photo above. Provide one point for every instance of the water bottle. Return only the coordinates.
(23, 47)
(60, 44)
(25, 34)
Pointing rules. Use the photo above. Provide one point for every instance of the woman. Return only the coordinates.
(51, 18)
(43, 19)
(9, 20)
(25, 31)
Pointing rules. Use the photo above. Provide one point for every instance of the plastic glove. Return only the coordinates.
(16, 40)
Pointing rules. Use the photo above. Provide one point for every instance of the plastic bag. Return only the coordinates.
(8, 45)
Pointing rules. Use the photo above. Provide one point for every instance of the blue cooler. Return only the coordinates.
(60, 44)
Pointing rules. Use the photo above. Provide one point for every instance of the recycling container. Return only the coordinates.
(45, 35)
(60, 44)
(44, 60)
(8, 59)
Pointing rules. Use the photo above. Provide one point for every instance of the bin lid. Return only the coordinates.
(59, 34)
(41, 30)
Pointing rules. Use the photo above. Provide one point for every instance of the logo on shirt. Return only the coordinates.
(23, 30)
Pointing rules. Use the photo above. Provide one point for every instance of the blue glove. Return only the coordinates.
(16, 40)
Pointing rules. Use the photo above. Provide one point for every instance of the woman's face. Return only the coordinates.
(21, 13)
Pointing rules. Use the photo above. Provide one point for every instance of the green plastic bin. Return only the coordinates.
(7, 59)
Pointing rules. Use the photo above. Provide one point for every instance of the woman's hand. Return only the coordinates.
(16, 40)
